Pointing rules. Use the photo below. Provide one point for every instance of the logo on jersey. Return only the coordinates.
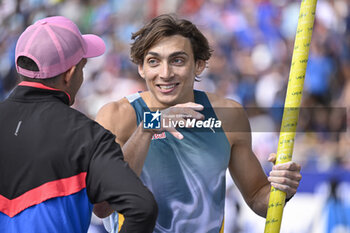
(151, 120)
(158, 136)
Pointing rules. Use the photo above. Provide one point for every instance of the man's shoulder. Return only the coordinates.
(115, 108)
(117, 115)
(218, 101)
(231, 113)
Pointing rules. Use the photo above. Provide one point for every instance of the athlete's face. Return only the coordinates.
(170, 70)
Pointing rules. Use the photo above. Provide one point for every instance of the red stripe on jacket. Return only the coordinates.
(52, 189)
(41, 86)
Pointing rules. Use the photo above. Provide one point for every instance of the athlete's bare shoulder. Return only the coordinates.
(217, 101)
(114, 112)
(233, 116)
(119, 117)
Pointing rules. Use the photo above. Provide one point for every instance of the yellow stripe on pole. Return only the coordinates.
(291, 108)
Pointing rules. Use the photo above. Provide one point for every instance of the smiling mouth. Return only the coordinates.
(167, 88)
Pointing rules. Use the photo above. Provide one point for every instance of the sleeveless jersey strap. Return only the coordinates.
(201, 97)
(139, 106)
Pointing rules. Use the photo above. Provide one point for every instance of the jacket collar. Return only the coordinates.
(38, 91)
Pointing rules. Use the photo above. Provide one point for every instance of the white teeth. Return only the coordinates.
(166, 87)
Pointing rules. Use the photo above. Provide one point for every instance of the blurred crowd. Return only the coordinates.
(253, 43)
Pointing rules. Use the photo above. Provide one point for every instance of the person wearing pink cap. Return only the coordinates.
(56, 162)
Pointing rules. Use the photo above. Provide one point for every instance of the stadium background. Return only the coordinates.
(253, 42)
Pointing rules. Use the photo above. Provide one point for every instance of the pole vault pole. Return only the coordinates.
(291, 108)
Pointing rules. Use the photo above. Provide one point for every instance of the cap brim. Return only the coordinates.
(95, 46)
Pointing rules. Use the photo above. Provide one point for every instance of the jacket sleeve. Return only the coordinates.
(109, 178)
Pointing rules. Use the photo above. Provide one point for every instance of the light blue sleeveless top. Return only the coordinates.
(186, 177)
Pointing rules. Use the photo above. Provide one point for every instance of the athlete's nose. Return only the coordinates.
(166, 71)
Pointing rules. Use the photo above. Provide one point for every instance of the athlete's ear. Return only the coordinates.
(140, 69)
(200, 66)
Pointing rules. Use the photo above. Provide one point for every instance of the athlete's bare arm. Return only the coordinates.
(244, 166)
(120, 118)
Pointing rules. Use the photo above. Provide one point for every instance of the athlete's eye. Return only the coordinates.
(152, 61)
(178, 61)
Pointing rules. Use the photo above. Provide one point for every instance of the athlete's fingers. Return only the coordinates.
(284, 181)
(291, 166)
(175, 133)
(293, 175)
(189, 113)
(290, 191)
(182, 112)
(272, 158)
(171, 129)
(194, 106)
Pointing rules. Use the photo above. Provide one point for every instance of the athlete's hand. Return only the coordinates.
(177, 113)
(285, 177)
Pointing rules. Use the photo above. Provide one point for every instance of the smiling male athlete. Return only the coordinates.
(185, 167)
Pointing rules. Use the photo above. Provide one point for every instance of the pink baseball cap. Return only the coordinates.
(55, 44)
